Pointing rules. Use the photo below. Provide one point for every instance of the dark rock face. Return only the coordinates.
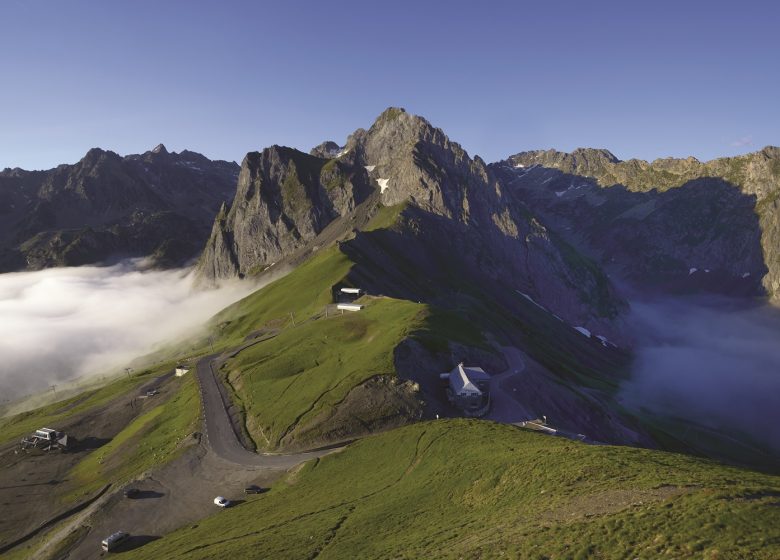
(678, 225)
(157, 203)
(283, 200)
(456, 211)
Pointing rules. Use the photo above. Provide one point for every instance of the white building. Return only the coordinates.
(349, 306)
(351, 291)
(468, 388)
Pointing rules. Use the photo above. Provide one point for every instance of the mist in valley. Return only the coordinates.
(59, 324)
(712, 361)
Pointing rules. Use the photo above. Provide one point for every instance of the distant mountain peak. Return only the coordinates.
(159, 149)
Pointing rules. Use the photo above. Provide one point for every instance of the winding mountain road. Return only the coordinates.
(219, 433)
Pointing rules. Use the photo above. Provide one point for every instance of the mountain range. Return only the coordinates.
(157, 204)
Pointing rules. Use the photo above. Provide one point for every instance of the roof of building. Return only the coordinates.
(462, 378)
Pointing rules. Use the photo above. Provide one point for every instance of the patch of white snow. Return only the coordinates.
(370, 168)
(383, 184)
(583, 330)
(691, 271)
(529, 298)
(745, 274)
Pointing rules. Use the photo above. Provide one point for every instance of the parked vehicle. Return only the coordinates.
(254, 489)
(132, 493)
(221, 502)
(112, 542)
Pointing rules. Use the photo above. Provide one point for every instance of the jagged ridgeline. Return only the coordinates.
(451, 268)
(675, 224)
(451, 223)
(157, 204)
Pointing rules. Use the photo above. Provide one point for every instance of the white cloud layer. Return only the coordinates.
(60, 323)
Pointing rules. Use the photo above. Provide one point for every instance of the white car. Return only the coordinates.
(221, 502)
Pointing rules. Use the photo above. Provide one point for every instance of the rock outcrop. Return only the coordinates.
(284, 199)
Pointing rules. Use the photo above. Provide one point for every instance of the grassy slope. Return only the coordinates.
(310, 367)
(308, 370)
(304, 293)
(151, 440)
(462, 488)
(18, 425)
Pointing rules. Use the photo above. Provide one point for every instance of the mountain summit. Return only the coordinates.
(450, 208)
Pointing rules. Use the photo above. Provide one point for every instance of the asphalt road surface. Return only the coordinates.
(504, 406)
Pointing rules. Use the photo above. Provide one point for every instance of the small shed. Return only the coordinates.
(348, 295)
(181, 370)
(349, 306)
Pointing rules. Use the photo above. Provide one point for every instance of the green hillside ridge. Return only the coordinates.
(151, 440)
(17, 425)
(460, 488)
(293, 386)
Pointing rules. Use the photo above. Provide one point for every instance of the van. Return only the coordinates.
(110, 543)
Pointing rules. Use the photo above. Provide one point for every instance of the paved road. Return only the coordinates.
(503, 406)
(218, 430)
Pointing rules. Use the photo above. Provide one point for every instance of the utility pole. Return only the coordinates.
(293, 318)
(211, 342)
(54, 389)
(127, 371)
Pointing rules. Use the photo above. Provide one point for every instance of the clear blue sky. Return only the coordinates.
(643, 79)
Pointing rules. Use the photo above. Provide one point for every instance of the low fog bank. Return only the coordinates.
(713, 361)
(62, 323)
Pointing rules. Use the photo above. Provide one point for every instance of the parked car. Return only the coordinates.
(254, 489)
(132, 493)
(221, 502)
(112, 542)
(152, 393)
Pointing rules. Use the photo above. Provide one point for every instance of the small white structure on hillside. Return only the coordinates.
(181, 370)
(349, 306)
(351, 291)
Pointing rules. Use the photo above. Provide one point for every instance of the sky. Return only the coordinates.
(223, 78)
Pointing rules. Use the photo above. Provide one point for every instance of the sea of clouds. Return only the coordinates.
(714, 361)
(62, 323)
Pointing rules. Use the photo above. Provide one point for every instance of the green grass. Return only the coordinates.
(304, 293)
(459, 488)
(385, 217)
(152, 439)
(300, 377)
(51, 415)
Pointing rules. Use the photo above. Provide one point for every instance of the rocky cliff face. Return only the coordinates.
(157, 203)
(675, 223)
(284, 199)
(456, 210)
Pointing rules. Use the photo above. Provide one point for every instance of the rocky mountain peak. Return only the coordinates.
(159, 149)
(328, 149)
